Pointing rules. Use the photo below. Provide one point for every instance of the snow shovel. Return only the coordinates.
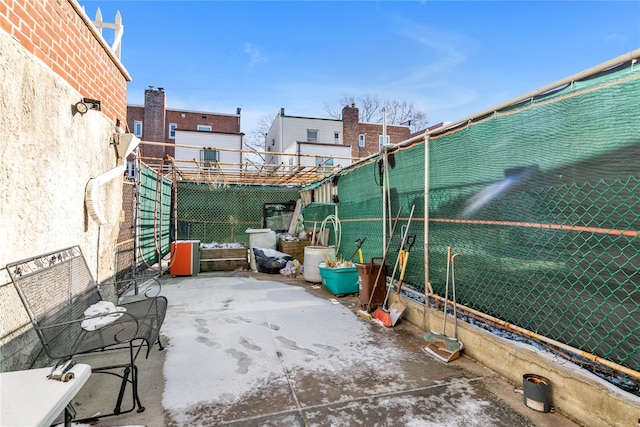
(397, 308)
(438, 345)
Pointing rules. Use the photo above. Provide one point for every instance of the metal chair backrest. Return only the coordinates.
(55, 288)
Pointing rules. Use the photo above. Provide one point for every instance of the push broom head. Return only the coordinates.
(383, 316)
(365, 315)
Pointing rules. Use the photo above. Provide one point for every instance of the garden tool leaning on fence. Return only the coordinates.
(358, 251)
(397, 308)
(382, 314)
(438, 345)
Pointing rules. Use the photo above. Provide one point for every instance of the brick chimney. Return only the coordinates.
(153, 123)
(155, 109)
(350, 122)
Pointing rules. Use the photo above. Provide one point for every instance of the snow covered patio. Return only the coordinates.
(253, 349)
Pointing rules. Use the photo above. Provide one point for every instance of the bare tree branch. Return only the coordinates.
(255, 139)
(399, 112)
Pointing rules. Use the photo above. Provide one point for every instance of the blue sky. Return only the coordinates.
(450, 59)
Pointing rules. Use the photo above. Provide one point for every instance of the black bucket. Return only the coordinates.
(537, 392)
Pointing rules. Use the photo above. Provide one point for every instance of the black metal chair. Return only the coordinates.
(56, 290)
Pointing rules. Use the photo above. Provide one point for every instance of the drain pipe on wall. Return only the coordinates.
(125, 144)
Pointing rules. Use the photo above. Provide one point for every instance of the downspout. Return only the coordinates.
(126, 142)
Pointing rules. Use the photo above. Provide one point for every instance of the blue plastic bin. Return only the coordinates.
(339, 281)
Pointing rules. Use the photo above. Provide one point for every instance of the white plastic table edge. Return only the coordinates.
(29, 398)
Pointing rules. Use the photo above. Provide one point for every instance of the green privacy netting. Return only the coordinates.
(223, 214)
(155, 202)
(542, 199)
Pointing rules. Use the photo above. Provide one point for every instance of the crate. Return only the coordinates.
(223, 259)
(339, 281)
(295, 249)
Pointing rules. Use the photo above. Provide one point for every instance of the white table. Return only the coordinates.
(29, 398)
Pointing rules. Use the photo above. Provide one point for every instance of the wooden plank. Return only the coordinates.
(293, 228)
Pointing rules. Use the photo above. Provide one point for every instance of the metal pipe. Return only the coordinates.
(536, 336)
(426, 214)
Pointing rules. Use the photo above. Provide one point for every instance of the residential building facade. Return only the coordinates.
(308, 141)
(154, 122)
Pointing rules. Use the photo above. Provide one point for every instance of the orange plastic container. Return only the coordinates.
(185, 258)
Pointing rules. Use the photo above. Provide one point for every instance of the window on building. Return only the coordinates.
(361, 141)
(137, 128)
(172, 130)
(312, 135)
(336, 138)
(207, 128)
(380, 143)
(209, 155)
(326, 163)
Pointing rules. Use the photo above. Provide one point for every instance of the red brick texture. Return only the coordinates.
(352, 129)
(219, 123)
(58, 34)
(156, 119)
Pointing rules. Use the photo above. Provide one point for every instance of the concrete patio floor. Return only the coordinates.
(251, 349)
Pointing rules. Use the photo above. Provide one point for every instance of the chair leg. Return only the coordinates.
(134, 384)
(123, 386)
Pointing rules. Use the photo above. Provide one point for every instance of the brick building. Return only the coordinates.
(365, 139)
(153, 122)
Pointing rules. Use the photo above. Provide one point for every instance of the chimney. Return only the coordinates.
(155, 108)
(282, 111)
(350, 127)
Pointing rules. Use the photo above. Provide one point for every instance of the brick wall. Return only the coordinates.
(156, 119)
(59, 34)
(353, 129)
(372, 131)
(191, 120)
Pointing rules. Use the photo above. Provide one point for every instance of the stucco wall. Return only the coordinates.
(48, 155)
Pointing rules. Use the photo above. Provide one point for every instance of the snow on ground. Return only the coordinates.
(232, 334)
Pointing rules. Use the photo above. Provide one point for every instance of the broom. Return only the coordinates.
(438, 345)
(398, 308)
(365, 314)
(382, 314)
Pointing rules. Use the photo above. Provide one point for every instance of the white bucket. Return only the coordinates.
(259, 238)
(313, 256)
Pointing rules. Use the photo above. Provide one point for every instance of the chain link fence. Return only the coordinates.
(540, 198)
(222, 214)
(542, 201)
